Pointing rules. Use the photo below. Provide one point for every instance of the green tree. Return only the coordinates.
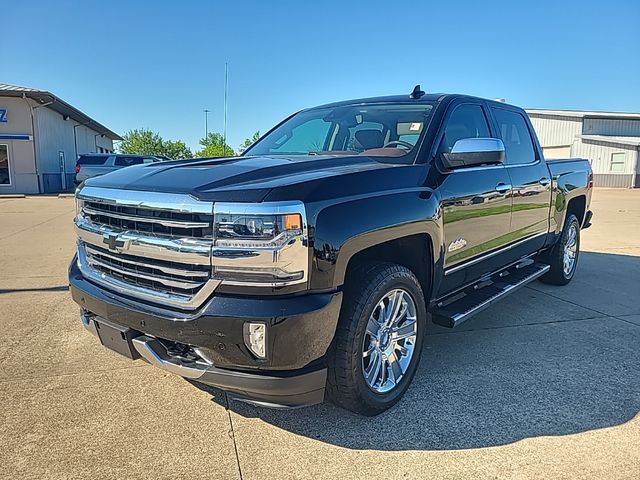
(249, 141)
(213, 145)
(142, 142)
(177, 149)
(145, 142)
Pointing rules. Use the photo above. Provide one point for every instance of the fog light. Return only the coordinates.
(255, 337)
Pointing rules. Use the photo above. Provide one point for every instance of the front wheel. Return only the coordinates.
(563, 257)
(378, 341)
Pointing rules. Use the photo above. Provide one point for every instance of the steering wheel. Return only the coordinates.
(398, 143)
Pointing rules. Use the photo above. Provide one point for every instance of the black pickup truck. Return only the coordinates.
(310, 265)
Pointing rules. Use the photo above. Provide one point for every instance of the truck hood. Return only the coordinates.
(248, 179)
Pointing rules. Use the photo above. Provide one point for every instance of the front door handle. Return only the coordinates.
(544, 181)
(503, 187)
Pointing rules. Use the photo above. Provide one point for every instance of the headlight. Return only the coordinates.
(79, 202)
(260, 244)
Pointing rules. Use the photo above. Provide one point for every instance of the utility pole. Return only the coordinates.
(206, 123)
(226, 89)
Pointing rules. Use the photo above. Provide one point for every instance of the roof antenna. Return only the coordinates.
(417, 93)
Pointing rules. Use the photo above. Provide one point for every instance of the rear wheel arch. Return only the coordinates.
(577, 206)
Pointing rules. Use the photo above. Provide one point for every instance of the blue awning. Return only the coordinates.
(14, 137)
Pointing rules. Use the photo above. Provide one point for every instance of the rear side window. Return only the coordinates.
(514, 132)
(466, 121)
(128, 161)
(92, 160)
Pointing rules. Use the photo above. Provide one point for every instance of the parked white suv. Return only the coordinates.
(96, 164)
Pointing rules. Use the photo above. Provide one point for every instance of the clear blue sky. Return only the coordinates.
(158, 64)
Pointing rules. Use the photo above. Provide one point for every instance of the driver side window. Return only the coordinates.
(466, 121)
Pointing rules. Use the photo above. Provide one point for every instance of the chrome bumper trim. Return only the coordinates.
(89, 323)
(153, 352)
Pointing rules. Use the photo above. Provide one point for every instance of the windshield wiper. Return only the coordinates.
(331, 152)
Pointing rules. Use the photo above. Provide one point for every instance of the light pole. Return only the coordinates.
(206, 123)
(226, 90)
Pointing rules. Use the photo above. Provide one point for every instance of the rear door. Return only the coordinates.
(530, 179)
(476, 202)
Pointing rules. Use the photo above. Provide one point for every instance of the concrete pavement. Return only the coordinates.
(543, 385)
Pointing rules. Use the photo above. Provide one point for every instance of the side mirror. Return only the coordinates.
(468, 152)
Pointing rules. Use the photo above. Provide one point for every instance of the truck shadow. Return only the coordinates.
(548, 361)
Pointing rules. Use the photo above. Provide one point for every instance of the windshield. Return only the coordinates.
(375, 130)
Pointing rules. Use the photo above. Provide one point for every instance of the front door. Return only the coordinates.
(476, 204)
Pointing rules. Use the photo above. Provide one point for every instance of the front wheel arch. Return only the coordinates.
(414, 252)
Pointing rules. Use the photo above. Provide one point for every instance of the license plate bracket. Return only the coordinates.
(117, 338)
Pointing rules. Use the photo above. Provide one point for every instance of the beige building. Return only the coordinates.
(609, 140)
(41, 137)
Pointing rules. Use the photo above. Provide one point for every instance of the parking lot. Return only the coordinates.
(543, 385)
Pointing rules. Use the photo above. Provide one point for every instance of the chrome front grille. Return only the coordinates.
(147, 245)
(161, 275)
(153, 222)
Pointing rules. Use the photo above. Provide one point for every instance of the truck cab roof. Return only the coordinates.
(426, 98)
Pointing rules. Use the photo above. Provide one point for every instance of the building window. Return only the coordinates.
(617, 164)
(5, 178)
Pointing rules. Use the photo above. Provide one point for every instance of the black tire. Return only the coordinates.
(346, 385)
(557, 274)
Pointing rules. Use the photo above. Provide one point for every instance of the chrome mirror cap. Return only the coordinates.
(468, 152)
(478, 145)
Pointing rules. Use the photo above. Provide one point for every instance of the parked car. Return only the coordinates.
(311, 264)
(95, 164)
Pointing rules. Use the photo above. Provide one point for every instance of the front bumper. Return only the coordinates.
(300, 330)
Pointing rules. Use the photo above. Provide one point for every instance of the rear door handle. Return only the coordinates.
(503, 187)
(544, 181)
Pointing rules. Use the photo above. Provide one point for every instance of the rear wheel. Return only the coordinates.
(378, 341)
(563, 257)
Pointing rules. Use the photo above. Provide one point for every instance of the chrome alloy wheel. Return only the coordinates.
(389, 341)
(570, 250)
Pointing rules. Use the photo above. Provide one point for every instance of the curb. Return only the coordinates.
(66, 195)
(13, 195)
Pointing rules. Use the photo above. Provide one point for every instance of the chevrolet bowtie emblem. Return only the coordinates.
(113, 242)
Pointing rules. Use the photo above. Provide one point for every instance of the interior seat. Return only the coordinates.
(368, 139)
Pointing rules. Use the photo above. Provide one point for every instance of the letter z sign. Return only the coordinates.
(3, 115)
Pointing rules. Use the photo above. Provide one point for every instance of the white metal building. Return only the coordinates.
(41, 137)
(609, 140)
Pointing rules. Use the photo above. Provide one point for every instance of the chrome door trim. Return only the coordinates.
(449, 271)
(474, 169)
(504, 188)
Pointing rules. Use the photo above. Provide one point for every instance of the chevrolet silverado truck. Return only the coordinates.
(309, 266)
